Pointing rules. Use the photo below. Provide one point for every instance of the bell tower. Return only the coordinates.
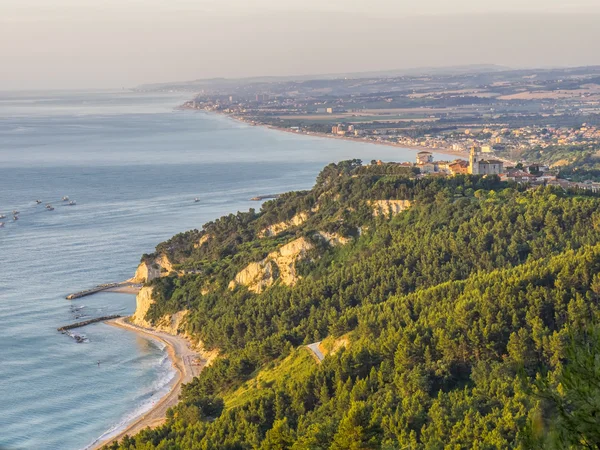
(474, 161)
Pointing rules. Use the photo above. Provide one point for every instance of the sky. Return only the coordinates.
(61, 44)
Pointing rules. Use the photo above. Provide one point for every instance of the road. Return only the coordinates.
(315, 349)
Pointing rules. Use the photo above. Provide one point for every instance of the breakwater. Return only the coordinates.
(99, 288)
(87, 322)
(265, 197)
(127, 287)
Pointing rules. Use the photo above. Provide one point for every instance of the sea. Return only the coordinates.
(134, 164)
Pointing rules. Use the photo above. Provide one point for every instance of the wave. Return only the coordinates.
(147, 399)
(19, 130)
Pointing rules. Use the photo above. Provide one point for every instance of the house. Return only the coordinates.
(460, 166)
(518, 176)
(427, 167)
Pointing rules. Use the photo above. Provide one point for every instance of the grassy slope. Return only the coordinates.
(297, 365)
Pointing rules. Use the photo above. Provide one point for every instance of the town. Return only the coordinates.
(528, 126)
(481, 163)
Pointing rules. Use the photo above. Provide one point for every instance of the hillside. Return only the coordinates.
(439, 302)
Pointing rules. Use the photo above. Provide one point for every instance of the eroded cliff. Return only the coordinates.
(280, 227)
(389, 208)
(156, 268)
(278, 265)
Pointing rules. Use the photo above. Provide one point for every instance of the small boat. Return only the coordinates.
(2, 216)
(1, 224)
(50, 209)
(196, 200)
(72, 203)
(16, 213)
(65, 198)
(38, 202)
(15, 218)
(48, 206)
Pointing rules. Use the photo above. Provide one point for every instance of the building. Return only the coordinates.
(460, 166)
(427, 167)
(518, 176)
(487, 149)
(329, 110)
(478, 165)
(338, 129)
(424, 157)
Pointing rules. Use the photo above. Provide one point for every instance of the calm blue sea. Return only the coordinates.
(134, 165)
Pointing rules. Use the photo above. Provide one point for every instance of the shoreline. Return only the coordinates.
(181, 356)
(441, 150)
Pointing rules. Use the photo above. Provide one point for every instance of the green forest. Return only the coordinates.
(467, 321)
(578, 162)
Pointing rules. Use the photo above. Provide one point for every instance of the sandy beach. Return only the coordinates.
(126, 288)
(443, 150)
(185, 361)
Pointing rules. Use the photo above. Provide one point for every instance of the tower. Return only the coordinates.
(474, 161)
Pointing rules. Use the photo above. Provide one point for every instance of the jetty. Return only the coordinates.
(87, 322)
(265, 197)
(103, 287)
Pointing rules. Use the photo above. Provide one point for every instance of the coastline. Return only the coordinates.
(442, 150)
(182, 358)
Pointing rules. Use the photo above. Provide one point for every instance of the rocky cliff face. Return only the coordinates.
(148, 271)
(203, 240)
(280, 227)
(278, 265)
(143, 300)
(333, 239)
(170, 323)
(389, 208)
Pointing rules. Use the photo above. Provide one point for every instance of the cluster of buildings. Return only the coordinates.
(491, 139)
(344, 130)
(479, 164)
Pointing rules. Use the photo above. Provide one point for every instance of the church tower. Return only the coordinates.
(474, 161)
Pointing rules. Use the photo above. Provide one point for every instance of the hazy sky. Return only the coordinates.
(114, 43)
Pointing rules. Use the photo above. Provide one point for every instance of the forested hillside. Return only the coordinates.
(452, 309)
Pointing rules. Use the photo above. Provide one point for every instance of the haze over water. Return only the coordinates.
(134, 166)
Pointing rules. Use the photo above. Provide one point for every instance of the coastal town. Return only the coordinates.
(527, 126)
(484, 163)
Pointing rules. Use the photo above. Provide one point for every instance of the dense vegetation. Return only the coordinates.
(456, 317)
(578, 162)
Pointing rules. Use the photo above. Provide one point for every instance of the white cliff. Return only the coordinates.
(143, 301)
(173, 324)
(389, 208)
(333, 239)
(149, 270)
(280, 227)
(278, 265)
